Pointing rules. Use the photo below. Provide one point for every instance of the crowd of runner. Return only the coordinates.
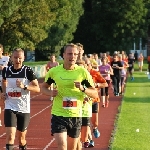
(77, 88)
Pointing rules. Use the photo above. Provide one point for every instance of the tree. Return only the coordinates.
(26, 24)
(115, 24)
(61, 32)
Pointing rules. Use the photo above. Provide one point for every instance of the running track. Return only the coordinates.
(38, 136)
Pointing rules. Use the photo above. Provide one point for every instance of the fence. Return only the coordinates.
(39, 70)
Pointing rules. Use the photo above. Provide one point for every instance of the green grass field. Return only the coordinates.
(39, 63)
(134, 115)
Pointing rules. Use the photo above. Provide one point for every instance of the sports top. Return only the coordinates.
(69, 101)
(97, 78)
(17, 98)
(103, 69)
(117, 72)
(3, 62)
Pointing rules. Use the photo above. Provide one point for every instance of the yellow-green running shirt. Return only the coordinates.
(69, 101)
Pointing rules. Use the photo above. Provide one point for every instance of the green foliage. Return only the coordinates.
(41, 24)
(27, 25)
(114, 24)
(60, 33)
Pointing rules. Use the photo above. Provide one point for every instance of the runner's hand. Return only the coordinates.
(3, 96)
(19, 84)
(79, 85)
(54, 92)
(86, 99)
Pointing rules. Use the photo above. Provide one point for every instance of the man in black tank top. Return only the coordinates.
(17, 81)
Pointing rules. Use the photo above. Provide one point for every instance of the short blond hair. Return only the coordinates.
(79, 45)
(18, 50)
(70, 45)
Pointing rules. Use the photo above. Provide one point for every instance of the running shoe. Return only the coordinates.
(103, 105)
(96, 133)
(107, 104)
(132, 78)
(117, 94)
(120, 94)
(91, 144)
(86, 144)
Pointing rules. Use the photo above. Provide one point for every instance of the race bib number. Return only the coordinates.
(14, 93)
(69, 103)
(114, 65)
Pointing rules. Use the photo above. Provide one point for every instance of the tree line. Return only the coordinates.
(47, 25)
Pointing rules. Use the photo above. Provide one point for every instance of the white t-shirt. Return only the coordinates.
(3, 62)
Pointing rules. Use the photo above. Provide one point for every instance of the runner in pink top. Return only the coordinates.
(105, 70)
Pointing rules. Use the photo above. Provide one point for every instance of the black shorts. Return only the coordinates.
(15, 118)
(95, 107)
(1, 89)
(71, 125)
(130, 69)
(85, 121)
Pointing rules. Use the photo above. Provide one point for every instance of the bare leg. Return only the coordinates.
(61, 140)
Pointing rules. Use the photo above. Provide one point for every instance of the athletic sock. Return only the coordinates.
(23, 147)
(103, 99)
(9, 146)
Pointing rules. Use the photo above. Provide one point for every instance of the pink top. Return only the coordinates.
(103, 69)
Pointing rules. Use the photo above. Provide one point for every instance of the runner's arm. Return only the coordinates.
(89, 90)
(33, 85)
(4, 84)
(45, 87)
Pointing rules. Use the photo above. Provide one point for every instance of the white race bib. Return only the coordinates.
(69, 102)
(14, 93)
(115, 65)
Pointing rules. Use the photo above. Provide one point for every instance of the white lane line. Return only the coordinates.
(2, 135)
(41, 111)
(49, 144)
(34, 114)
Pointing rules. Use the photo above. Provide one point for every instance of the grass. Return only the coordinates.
(39, 63)
(134, 115)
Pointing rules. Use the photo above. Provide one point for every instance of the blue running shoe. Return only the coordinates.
(91, 144)
(96, 133)
(132, 78)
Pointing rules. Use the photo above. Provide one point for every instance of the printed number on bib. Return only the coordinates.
(69, 103)
(14, 93)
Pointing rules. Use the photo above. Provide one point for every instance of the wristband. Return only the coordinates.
(83, 89)
(25, 87)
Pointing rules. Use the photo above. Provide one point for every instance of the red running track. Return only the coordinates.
(39, 137)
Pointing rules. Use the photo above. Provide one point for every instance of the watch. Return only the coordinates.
(25, 87)
(84, 88)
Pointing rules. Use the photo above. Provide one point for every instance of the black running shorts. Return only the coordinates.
(15, 118)
(1, 89)
(85, 121)
(95, 107)
(71, 125)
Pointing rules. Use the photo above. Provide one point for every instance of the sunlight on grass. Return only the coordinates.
(134, 115)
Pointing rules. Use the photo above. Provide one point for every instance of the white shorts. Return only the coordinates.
(140, 63)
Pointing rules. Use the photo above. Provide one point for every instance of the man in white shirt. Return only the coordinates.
(3, 62)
